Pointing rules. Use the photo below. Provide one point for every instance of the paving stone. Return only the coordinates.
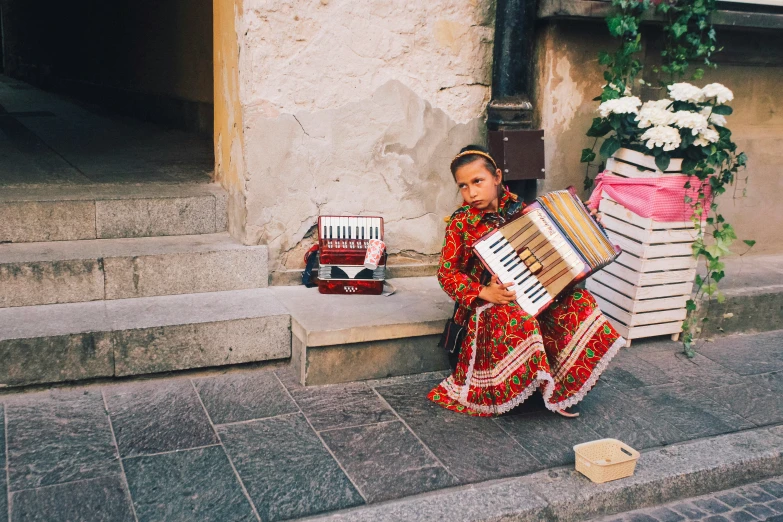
(3, 497)
(699, 370)
(640, 517)
(467, 446)
(689, 410)
(666, 515)
(612, 414)
(752, 400)
(755, 494)
(772, 487)
(386, 461)
(776, 506)
(776, 518)
(759, 511)
(628, 372)
(187, 485)
(341, 405)
(716, 518)
(286, 469)
(26, 221)
(158, 416)
(103, 499)
(733, 499)
(57, 437)
(741, 516)
(550, 438)
(244, 396)
(690, 511)
(711, 505)
(760, 353)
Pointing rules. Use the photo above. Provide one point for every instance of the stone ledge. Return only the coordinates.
(76, 271)
(366, 336)
(65, 342)
(591, 9)
(662, 475)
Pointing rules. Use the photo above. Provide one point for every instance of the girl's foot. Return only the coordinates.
(567, 414)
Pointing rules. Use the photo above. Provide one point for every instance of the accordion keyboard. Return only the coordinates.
(532, 255)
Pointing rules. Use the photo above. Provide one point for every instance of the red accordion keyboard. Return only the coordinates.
(343, 242)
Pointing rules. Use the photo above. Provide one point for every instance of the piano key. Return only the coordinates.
(362, 227)
(323, 227)
(353, 224)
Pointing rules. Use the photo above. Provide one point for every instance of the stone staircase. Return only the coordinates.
(116, 280)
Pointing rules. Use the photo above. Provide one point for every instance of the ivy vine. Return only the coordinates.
(710, 158)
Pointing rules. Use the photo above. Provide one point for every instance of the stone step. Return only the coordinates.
(344, 338)
(105, 211)
(77, 341)
(89, 270)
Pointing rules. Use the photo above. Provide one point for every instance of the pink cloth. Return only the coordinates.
(662, 199)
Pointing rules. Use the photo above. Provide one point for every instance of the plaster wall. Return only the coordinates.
(357, 108)
(569, 77)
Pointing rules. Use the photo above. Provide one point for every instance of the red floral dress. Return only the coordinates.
(507, 354)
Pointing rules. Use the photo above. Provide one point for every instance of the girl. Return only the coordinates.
(507, 354)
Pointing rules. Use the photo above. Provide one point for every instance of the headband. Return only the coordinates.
(476, 152)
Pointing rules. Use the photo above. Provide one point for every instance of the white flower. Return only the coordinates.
(662, 136)
(686, 92)
(624, 105)
(690, 120)
(706, 137)
(654, 113)
(718, 91)
(715, 119)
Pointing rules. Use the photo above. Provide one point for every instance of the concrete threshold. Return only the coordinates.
(343, 338)
(753, 288)
(562, 494)
(75, 341)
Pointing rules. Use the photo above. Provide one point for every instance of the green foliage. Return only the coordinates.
(689, 39)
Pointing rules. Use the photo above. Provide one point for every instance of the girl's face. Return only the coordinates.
(478, 186)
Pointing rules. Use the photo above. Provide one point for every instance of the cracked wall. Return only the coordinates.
(357, 108)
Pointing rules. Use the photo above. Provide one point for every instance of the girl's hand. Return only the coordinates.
(596, 215)
(497, 293)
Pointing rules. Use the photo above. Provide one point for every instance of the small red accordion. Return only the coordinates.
(343, 245)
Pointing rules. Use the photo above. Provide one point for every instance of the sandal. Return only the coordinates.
(567, 414)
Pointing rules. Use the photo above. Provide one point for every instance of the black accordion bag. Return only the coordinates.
(453, 335)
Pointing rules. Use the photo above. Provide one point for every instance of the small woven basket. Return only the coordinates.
(606, 459)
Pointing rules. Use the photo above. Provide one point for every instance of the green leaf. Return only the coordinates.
(587, 155)
(749, 242)
(690, 305)
(662, 162)
(689, 166)
(725, 110)
(679, 29)
(599, 128)
(610, 146)
(721, 297)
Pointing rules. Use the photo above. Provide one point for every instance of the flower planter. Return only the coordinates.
(643, 293)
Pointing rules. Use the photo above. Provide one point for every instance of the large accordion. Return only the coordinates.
(343, 243)
(554, 244)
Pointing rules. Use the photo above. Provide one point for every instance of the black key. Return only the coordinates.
(506, 256)
(538, 293)
(492, 246)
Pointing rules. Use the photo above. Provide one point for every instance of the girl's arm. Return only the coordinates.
(454, 282)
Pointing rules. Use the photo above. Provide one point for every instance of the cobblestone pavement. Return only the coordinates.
(759, 501)
(250, 443)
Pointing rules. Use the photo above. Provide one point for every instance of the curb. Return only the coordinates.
(561, 494)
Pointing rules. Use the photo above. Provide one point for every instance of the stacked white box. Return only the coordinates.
(645, 290)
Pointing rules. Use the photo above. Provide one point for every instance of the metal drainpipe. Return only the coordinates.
(512, 141)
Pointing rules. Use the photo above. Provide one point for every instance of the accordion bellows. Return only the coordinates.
(551, 246)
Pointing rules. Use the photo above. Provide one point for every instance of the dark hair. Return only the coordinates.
(461, 161)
